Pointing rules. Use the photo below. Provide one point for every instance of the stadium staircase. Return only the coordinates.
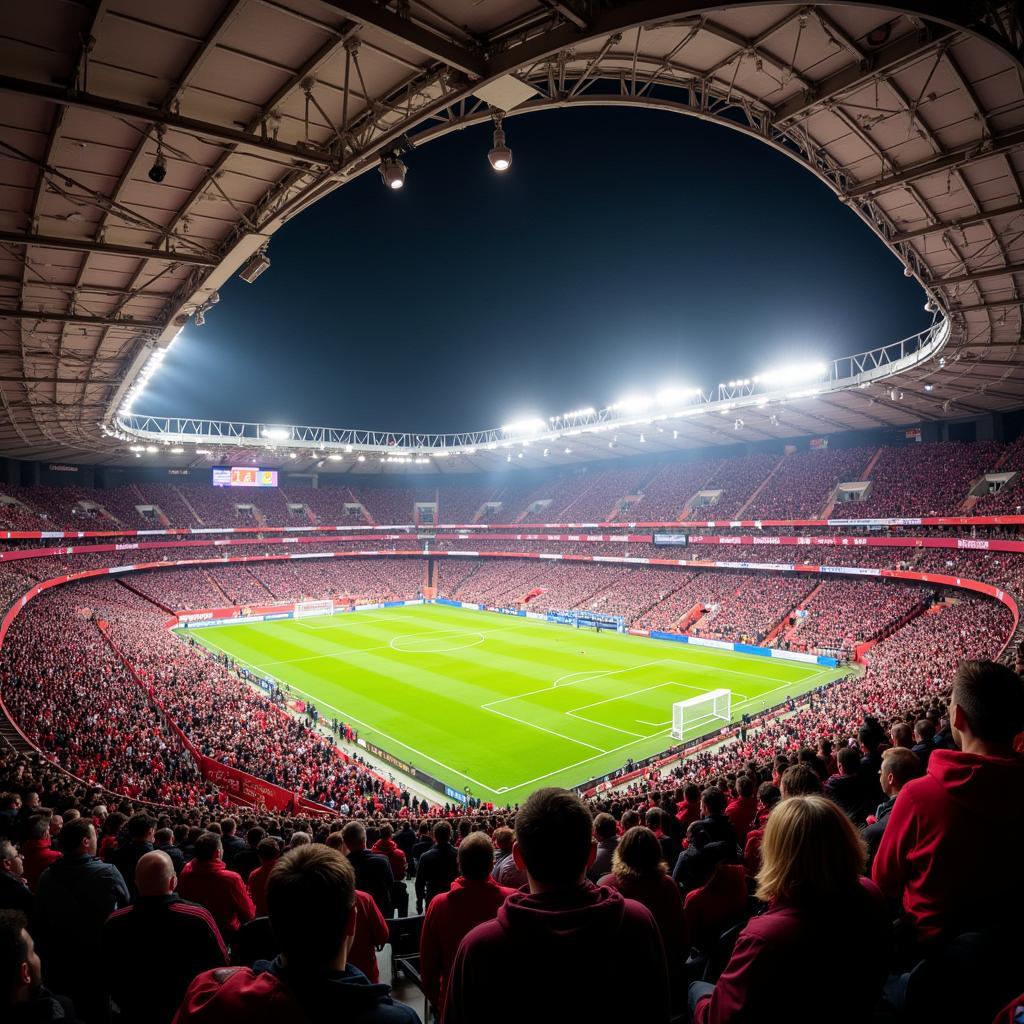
(687, 510)
(757, 490)
(146, 597)
(218, 587)
(188, 504)
(260, 583)
(870, 467)
(791, 631)
(11, 737)
(579, 497)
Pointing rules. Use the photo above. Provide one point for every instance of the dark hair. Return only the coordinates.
(924, 729)
(745, 786)
(476, 856)
(207, 847)
(714, 800)
(268, 850)
(164, 837)
(604, 826)
(354, 835)
(639, 855)
(849, 760)
(442, 832)
(386, 831)
(228, 826)
(37, 828)
(255, 836)
(310, 895)
(73, 834)
(140, 825)
(991, 697)
(691, 792)
(13, 950)
(554, 831)
(800, 780)
(769, 794)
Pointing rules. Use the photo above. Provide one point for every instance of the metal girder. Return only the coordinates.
(117, 108)
(566, 11)
(954, 225)
(979, 150)
(412, 34)
(982, 307)
(882, 61)
(981, 275)
(19, 379)
(87, 245)
(75, 318)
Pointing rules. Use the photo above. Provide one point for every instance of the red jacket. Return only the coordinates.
(789, 964)
(257, 887)
(371, 932)
(687, 813)
(396, 858)
(222, 892)
(450, 917)
(717, 905)
(950, 854)
(740, 811)
(538, 947)
(37, 855)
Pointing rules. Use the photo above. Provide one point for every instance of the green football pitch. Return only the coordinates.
(501, 705)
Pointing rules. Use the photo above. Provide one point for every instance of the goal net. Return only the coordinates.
(711, 710)
(304, 609)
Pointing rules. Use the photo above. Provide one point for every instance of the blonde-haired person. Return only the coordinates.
(823, 939)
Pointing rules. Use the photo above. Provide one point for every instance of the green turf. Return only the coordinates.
(501, 704)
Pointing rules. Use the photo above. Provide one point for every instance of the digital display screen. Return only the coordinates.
(244, 476)
(670, 539)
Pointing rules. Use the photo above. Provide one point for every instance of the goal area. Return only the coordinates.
(305, 609)
(711, 710)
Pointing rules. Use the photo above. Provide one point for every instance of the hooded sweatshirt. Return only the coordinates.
(539, 947)
(269, 993)
(950, 852)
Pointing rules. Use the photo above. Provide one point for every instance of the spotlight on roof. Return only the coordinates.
(200, 318)
(947, 405)
(895, 395)
(277, 433)
(158, 171)
(929, 387)
(500, 155)
(392, 170)
(930, 307)
(254, 266)
(738, 425)
(908, 271)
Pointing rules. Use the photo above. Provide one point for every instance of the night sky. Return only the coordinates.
(623, 251)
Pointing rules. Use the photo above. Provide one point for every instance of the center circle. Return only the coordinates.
(411, 643)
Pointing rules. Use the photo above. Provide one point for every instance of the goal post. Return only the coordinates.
(305, 609)
(711, 709)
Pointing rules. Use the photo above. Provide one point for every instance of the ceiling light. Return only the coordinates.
(568, 451)
(361, 458)
(200, 318)
(929, 387)
(137, 448)
(152, 448)
(500, 155)
(334, 458)
(791, 374)
(292, 455)
(178, 451)
(392, 170)
(158, 171)
(254, 266)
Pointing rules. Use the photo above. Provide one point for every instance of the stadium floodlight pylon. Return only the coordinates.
(712, 709)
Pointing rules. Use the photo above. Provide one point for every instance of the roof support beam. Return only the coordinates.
(948, 162)
(954, 225)
(422, 39)
(87, 245)
(117, 108)
(75, 318)
(980, 275)
(883, 61)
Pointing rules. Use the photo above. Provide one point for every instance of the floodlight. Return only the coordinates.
(292, 455)
(277, 433)
(158, 171)
(929, 306)
(929, 387)
(738, 425)
(791, 374)
(151, 448)
(666, 396)
(254, 266)
(199, 319)
(500, 155)
(392, 170)
(137, 448)
(361, 458)
(632, 403)
(908, 271)
(568, 451)
(178, 451)
(528, 425)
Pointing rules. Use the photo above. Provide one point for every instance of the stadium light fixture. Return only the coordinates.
(137, 448)
(335, 457)
(392, 170)
(361, 458)
(158, 171)
(568, 451)
(200, 317)
(527, 425)
(203, 451)
(151, 448)
(292, 455)
(178, 450)
(254, 266)
(792, 373)
(277, 433)
(500, 155)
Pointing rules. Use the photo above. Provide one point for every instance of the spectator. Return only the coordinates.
(796, 780)
(23, 999)
(902, 735)
(74, 898)
(899, 766)
(387, 847)
(405, 840)
(311, 898)
(718, 900)
(153, 948)
(720, 829)
(810, 879)
(437, 868)
(269, 853)
(606, 834)
(924, 740)
(742, 808)
(36, 852)
(248, 859)
(370, 935)
(688, 809)
(473, 898)
(208, 882)
(14, 891)
(847, 786)
(234, 844)
(373, 871)
(640, 873)
(558, 931)
(163, 840)
(141, 830)
(506, 872)
(964, 820)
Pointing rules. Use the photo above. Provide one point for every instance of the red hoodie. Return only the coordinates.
(450, 917)
(222, 892)
(37, 855)
(539, 947)
(950, 853)
(740, 812)
(396, 858)
(371, 932)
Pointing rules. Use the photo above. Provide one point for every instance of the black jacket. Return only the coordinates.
(850, 793)
(245, 862)
(177, 857)
(125, 857)
(374, 875)
(43, 1008)
(436, 871)
(152, 950)
(14, 893)
(923, 752)
(873, 833)
(233, 846)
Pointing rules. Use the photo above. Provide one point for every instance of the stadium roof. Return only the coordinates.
(255, 109)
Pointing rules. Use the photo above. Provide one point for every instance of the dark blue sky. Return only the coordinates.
(623, 251)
